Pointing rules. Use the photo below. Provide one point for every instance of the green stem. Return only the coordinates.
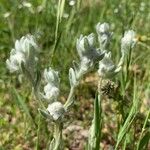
(128, 65)
(70, 98)
(95, 130)
(38, 132)
(56, 143)
(11, 28)
(78, 4)
(56, 30)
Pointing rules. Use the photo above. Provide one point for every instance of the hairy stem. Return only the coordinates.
(56, 143)
(70, 98)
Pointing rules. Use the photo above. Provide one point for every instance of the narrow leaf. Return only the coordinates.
(144, 141)
(44, 113)
(72, 77)
(22, 105)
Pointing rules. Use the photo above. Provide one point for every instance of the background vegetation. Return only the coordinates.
(56, 30)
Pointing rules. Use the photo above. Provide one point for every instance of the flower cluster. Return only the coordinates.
(128, 41)
(23, 56)
(51, 89)
(56, 110)
(88, 56)
(107, 69)
(104, 35)
(51, 93)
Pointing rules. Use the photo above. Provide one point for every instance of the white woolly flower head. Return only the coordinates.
(25, 44)
(56, 110)
(51, 93)
(51, 89)
(85, 45)
(86, 48)
(14, 62)
(128, 41)
(88, 54)
(51, 76)
(25, 52)
(102, 28)
(107, 69)
(104, 35)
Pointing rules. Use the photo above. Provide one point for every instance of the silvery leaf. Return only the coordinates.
(72, 77)
(44, 113)
(76, 66)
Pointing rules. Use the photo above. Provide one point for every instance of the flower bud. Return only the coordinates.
(104, 35)
(51, 76)
(51, 89)
(14, 62)
(85, 45)
(56, 110)
(128, 41)
(51, 93)
(102, 28)
(25, 52)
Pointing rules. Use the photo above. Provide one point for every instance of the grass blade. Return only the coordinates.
(60, 10)
(132, 114)
(22, 105)
(95, 130)
(144, 140)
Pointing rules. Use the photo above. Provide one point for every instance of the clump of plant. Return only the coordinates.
(24, 59)
(107, 71)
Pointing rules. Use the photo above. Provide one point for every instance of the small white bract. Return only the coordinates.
(107, 69)
(56, 110)
(51, 93)
(24, 52)
(128, 41)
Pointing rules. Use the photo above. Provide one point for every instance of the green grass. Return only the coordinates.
(126, 117)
